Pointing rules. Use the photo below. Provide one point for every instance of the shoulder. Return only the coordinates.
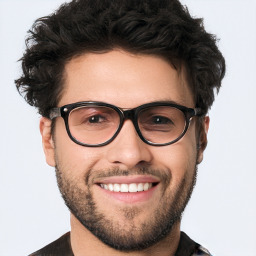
(201, 251)
(61, 246)
(188, 247)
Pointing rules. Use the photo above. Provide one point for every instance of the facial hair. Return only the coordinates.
(126, 236)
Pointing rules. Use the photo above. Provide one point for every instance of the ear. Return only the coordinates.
(47, 140)
(202, 142)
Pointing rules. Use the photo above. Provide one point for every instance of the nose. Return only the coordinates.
(127, 150)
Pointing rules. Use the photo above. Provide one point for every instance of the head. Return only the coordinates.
(124, 53)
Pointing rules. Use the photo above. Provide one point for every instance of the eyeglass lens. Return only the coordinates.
(161, 124)
(93, 125)
(98, 124)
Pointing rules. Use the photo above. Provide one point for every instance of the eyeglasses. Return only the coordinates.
(94, 124)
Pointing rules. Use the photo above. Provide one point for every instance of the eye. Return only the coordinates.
(96, 119)
(157, 123)
(161, 120)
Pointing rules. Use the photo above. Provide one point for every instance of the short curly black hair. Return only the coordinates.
(163, 28)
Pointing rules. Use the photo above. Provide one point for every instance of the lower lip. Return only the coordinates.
(130, 197)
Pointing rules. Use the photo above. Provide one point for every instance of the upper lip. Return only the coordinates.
(127, 179)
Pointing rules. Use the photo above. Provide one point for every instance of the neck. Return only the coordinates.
(84, 242)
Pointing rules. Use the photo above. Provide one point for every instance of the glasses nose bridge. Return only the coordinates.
(129, 115)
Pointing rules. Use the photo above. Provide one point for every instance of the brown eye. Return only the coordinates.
(161, 120)
(96, 119)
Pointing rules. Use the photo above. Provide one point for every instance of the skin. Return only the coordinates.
(127, 81)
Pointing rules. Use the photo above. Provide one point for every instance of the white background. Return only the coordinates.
(222, 212)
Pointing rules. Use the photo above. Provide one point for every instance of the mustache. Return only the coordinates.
(163, 174)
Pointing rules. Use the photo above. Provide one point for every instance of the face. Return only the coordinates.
(124, 220)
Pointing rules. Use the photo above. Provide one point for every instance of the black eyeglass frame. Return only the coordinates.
(124, 114)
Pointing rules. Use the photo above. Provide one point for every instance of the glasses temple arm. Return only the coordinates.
(54, 112)
(198, 112)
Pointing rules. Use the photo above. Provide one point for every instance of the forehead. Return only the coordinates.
(123, 79)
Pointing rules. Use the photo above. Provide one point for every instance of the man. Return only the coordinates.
(123, 88)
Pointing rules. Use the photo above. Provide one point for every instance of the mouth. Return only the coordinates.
(128, 188)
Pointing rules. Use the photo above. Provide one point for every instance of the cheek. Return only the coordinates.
(179, 158)
(72, 158)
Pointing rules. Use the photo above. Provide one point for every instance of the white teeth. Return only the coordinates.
(116, 187)
(110, 187)
(140, 187)
(146, 186)
(132, 188)
(124, 188)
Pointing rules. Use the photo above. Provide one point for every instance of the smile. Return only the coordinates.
(124, 188)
